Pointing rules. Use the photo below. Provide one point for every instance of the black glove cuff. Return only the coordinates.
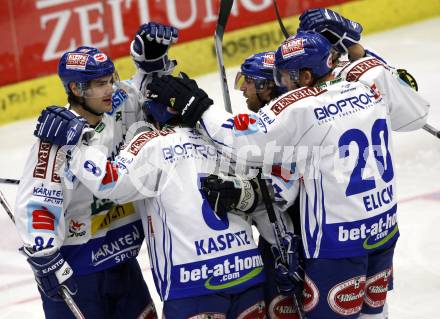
(194, 113)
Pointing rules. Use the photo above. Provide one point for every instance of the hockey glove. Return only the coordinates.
(51, 272)
(182, 94)
(227, 193)
(59, 126)
(149, 48)
(341, 32)
(289, 277)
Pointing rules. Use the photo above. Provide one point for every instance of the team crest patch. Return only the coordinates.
(281, 307)
(76, 61)
(377, 288)
(292, 47)
(310, 294)
(347, 297)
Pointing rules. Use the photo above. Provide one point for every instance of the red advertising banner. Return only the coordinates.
(35, 33)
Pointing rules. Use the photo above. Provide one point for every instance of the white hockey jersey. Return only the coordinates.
(55, 211)
(337, 138)
(192, 251)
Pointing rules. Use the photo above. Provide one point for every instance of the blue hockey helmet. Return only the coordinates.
(159, 112)
(305, 50)
(258, 67)
(83, 65)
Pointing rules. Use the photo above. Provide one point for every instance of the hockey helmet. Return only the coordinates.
(159, 112)
(305, 50)
(258, 67)
(83, 65)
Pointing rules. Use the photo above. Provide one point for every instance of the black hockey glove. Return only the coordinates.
(149, 48)
(341, 32)
(228, 193)
(181, 94)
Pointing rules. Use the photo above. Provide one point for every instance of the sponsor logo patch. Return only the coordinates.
(118, 98)
(292, 47)
(43, 219)
(100, 57)
(210, 315)
(347, 297)
(245, 124)
(110, 177)
(377, 288)
(76, 228)
(310, 294)
(269, 60)
(144, 138)
(281, 307)
(293, 97)
(117, 212)
(119, 249)
(55, 178)
(42, 160)
(358, 70)
(256, 311)
(76, 61)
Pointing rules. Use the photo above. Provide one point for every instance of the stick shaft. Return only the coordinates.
(225, 9)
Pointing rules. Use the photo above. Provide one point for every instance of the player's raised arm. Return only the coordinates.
(408, 110)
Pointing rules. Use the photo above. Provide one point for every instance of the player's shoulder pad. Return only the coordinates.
(354, 71)
(294, 97)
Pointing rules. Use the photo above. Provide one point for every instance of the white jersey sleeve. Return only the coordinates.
(39, 215)
(262, 138)
(129, 178)
(407, 110)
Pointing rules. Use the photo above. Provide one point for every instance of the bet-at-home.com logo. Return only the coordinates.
(226, 274)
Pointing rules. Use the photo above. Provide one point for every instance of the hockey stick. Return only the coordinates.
(280, 22)
(225, 10)
(9, 181)
(430, 129)
(277, 232)
(62, 291)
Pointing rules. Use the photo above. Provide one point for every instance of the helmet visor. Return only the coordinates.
(286, 78)
(240, 79)
(101, 87)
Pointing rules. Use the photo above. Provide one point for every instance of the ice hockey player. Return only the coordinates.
(255, 80)
(70, 237)
(338, 133)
